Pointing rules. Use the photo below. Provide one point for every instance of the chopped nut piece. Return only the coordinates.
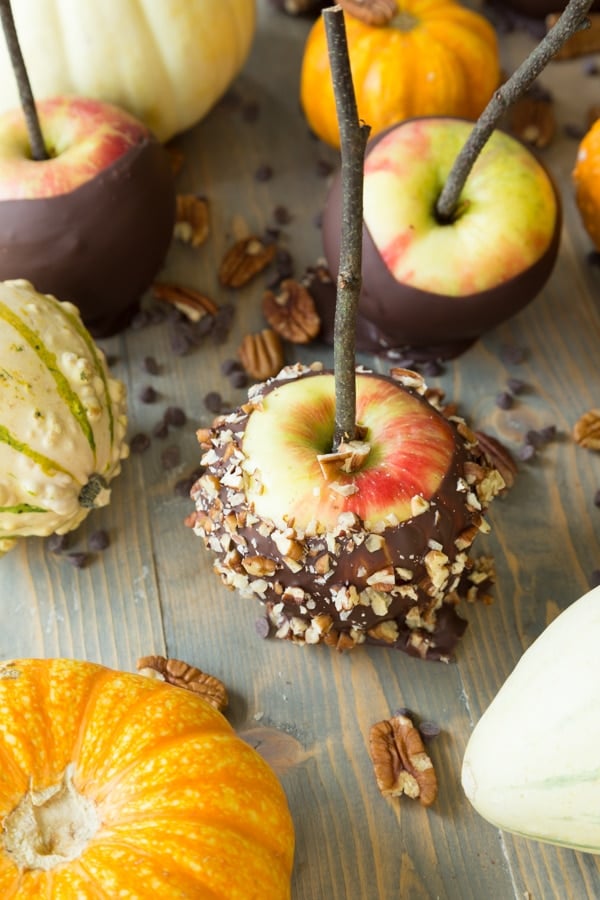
(181, 674)
(532, 120)
(190, 302)
(244, 260)
(400, 762)
(586, 431)
(291, 312)
(191, 219)
(261, 354)
(373, 12)
(259, 565)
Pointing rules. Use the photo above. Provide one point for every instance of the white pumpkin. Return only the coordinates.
(62, 417)
(165, 61)
(532, 764)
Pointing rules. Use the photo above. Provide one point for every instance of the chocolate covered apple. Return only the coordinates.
(92, 223)
(367, 543)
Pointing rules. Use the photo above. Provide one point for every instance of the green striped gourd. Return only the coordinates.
(62, 417)
(532, 764)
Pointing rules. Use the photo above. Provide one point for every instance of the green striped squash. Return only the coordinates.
(62, 417)
(532, 763)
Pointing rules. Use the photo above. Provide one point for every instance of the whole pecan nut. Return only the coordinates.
(400, 762)
(188, 301)
(373, 12)
(586, 431)
(181, 674)
(261, 354)
(245, 259)
(291, 312)
(191, 219)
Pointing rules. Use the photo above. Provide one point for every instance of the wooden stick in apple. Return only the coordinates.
(573, 19)
(36, 139)
(354, 135)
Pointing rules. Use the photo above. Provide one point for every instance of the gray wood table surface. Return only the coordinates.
(309, 710)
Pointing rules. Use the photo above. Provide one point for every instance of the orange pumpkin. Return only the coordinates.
(116, 785)
(586, 177)
(435, 57)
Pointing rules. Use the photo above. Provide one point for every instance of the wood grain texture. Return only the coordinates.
(309, 710)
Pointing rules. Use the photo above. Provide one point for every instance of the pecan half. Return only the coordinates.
(191, 219)
(373, 12)
(261, 354)
(400, 762)
(586, 431)
(532, 120)
(181, 674)
(583, 43)
(190, 302)
(291, 312)
(498, 456)
(245, 259)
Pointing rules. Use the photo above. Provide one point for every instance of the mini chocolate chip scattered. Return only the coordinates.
(593, 258)
(548, 433)
(140, 320)
(318, 220)
(170, 457)
(526, 452)
(231, 365)
(78, 559)
(590, 67)
(150, 366)
(516, 386)
(180, 343)
(429, 729)
(432, 368)
(573, 130)
(111, 360)
(56, 543)
(139, 443)
(175, 415)
(504, 400)
(324, 168)
(99, 540)
(512, 355)
(263, 627)
(157, 314)
(282, 215)
(535, 438)
(239, 379)
(595, 578)
(222, 323)
(263, 173)
(184, 485)
(250, 111)
(213, 401)
(404, 711)
(160, 430)
(148, 394)
(597, 498)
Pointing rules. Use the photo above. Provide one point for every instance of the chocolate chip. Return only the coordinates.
(111, 360)
(184, 485)
(324, 168)
(512, 355)
(574, 131)
(231, 365)
(548, 433)
(141, 320)
(160, 430)
(139, 443)
(516, 386)
(504, 400)
(170, 457)
(404, 711)
(593, 258)
(148, 394)
(56, 543)
(175, 415)
(222, 322)
(213, 401)
(99, 540)
(526, 452)
(597, 498)
(541, 436)
(78, 560)
(180, 342)
(150, 365)
(595, 578)
(590, 67)
(282, 215)
(429, 729)
(263, 173)
(432, 368)
(263, 627)
(239, 379)
(318, 219)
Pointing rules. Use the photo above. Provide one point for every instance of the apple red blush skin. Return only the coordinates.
(392, 583)
(100, 245)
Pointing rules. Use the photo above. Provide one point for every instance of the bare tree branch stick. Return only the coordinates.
(573, 19)
(353, 136)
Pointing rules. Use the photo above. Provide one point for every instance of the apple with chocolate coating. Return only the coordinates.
(429, 283)
(364, 544)
(92, 224)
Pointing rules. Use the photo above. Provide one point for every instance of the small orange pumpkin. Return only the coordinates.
(586, 178)
(435, 57)
(116, 785)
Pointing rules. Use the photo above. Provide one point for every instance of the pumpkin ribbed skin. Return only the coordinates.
(62, 417)
(586, 177)
(165, 61)
(435, 58)
(186, 808)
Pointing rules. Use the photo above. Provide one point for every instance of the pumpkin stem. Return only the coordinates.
(354, 135)
(94, 493)
(36, 139)
(573, 19)
(50, 827)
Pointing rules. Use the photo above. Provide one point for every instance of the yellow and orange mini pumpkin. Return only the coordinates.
(434, 57)
(116, 785)
(586, 177)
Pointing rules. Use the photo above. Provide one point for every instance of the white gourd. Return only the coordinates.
(62, 417)
(532, 764)
(165, 61)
